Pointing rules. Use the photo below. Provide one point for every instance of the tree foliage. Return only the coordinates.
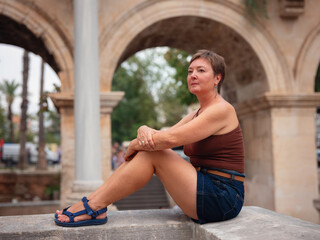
(22, 162)
(52, 133)
(179, 60)
(170, 106)
(4, 125)
(42, 161)
(138, 106)
(156, 91)
(9, 90)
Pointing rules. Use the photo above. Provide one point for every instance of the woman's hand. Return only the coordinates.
(144, 137)
(130, 152)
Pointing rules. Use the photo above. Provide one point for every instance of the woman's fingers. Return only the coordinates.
(144, 137)
(150, 140)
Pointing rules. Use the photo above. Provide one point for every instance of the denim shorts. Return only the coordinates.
(218, 198)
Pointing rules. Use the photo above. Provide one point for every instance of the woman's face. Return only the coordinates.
(201, 78)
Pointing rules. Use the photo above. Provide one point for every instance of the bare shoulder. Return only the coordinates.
(224, 115)
(222, 109)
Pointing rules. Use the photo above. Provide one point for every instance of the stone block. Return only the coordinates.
(258, 223)
(252, 223)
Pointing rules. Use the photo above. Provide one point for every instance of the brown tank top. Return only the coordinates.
(225, 151)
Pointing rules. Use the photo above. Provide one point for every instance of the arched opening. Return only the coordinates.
(20, 37)
(17, 34)
(245, 78)
(14, 33)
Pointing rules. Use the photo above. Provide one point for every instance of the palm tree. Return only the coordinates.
(42, 161)
(9, 90)
(24, 107)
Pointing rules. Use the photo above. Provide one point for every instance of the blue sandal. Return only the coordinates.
(87, 210)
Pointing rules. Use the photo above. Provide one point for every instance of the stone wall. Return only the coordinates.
(28, 186)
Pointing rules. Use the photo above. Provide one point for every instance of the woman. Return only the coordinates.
(207, 190)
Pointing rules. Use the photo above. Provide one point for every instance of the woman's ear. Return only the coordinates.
(218, 78)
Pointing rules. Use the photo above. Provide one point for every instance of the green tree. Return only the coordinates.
(170, 106)
(179, 60)
(22, 163)
(52, 133)
(9, 90)
(42, 161)
(4, 131)
(138, 105)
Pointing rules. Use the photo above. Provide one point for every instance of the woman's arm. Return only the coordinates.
(132, 150)
(217, 119)
(145, 133)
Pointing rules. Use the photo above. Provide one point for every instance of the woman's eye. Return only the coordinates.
(189, 71)
(201, 70)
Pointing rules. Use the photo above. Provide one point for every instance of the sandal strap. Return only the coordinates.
(87, 210)
(90, 212)
(69, 214)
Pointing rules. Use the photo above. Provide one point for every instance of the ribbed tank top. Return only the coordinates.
(225, 151)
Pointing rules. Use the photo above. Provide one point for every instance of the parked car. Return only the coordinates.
(10, 154)
(318, 156)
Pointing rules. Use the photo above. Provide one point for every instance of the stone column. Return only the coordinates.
(108, 101)
(86, 98)
(281, 166)
(64, 103)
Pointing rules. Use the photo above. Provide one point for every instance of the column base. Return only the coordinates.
(81, 189)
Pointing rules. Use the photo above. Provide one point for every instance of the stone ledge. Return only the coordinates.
(259, 223)
(252, 223)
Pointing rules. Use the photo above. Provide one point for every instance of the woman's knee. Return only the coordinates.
(154, 154)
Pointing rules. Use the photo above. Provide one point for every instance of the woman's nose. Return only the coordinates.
(193, 74)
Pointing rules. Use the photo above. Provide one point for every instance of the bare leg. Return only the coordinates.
(178, 176)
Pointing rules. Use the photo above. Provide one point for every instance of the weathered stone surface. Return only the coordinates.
(252, 223)
(259, 223)
(143, 224)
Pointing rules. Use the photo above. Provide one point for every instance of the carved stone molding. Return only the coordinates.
(291, 8)
(270, 100)
(108, 100)
(62, 99)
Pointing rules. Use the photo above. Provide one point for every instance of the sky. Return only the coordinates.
(11, 67)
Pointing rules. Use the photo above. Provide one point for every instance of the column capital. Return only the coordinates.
(62, 99)
(278, 100)
(108, 100)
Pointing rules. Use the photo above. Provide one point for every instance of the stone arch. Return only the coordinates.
(53, 40)
(307, 62)
(115, 39)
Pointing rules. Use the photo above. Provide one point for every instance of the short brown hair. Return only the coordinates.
(217, 63)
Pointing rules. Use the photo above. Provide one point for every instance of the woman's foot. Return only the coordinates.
(78, 207)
